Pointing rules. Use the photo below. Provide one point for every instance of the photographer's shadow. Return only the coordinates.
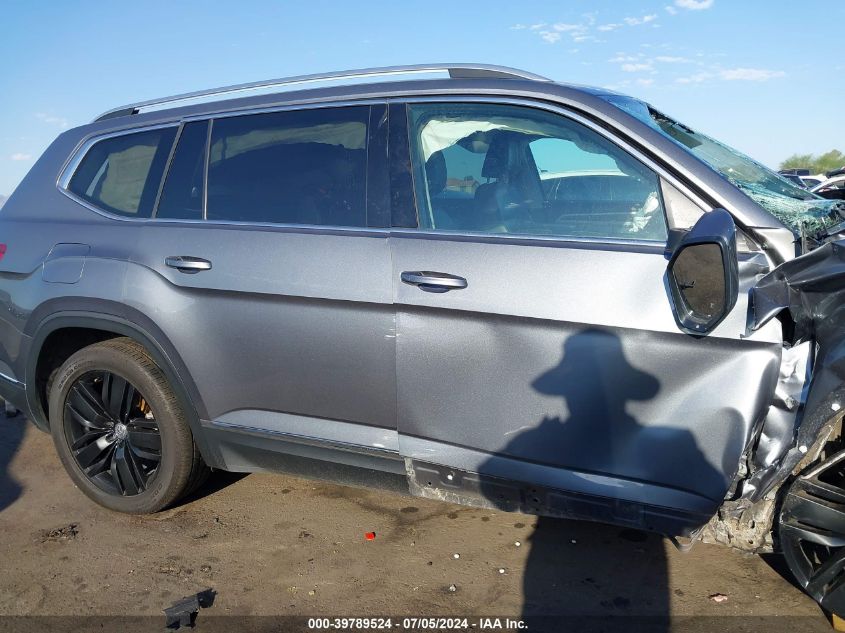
(12, 432)
(587, 572)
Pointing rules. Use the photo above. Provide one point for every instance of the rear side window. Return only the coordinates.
(182, 195)
(294, 167)
(122, 174)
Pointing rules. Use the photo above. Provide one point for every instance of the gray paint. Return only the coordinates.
(299, 426)
(284, 321)
(533, 359)
(65, 263)
(560, 360)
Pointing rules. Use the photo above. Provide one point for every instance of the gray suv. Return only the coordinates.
(500, 290)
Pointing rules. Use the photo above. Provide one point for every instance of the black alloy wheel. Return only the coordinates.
(812, 531)
(112, 433)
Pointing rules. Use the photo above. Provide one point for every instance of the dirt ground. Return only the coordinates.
(277, 545)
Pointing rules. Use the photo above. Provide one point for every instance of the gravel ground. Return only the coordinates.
(273, 545)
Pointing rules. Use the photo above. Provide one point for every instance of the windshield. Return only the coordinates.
(803, 212)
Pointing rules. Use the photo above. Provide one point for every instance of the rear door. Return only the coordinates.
(536, 340)
(271, 274)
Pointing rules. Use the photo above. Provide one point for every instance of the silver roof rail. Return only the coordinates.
(456, 71)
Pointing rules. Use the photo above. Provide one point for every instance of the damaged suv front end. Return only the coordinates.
(789, 491)
(795, 470)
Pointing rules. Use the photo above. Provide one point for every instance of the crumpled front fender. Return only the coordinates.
(811, 290)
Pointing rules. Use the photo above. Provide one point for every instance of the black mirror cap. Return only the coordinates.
(715, 227)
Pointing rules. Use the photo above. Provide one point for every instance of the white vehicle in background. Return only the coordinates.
(812, 181)
(832, 188)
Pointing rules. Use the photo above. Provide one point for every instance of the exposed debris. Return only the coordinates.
(370, 536)
(65, 533)
(808, 295)
(184, 612)
(719, 598)
(742, 526)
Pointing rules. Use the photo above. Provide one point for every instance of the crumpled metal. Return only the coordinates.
(812, 289)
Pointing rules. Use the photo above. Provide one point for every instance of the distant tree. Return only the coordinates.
(823, 163)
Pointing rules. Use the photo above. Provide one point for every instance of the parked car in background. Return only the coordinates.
(802, 177)
(832, 188)
(811, 181)
(794, 179)
(500, 290)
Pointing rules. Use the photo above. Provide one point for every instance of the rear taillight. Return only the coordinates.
(2, 251)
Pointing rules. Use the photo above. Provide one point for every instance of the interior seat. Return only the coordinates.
(492, 197)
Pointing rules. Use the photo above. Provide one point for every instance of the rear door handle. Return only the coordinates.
(433, 282)
(187, 264)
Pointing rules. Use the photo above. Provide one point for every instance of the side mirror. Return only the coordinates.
(703, 275)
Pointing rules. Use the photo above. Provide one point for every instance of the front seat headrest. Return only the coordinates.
(496, 160)
(435, 173)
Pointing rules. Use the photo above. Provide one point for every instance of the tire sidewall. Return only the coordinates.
(165, 485)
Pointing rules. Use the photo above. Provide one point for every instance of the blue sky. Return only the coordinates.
(763, 76)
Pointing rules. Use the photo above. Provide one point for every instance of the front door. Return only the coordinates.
(536, 341)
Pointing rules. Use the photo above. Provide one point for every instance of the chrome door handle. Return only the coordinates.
(186, 264)
(433, 282)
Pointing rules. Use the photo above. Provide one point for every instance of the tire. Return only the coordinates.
(811, 531)
(120, 431)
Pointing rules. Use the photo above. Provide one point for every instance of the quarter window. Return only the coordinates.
(508, 169)
(122, 174)
(293, 167)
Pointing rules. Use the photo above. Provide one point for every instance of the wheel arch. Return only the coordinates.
(131, 324)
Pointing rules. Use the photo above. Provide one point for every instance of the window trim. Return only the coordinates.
(166, 169)
(81, 151)
(636, 153)
(76, 156)
(71, 164)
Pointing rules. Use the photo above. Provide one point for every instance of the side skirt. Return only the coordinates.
(442, 483)
(244, 449)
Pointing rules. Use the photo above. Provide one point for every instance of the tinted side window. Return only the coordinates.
(295, 167)
(122, 174)
(509, 169)
(182, 195)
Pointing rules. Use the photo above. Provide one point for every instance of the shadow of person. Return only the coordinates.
(12, 432)
(580, 574)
